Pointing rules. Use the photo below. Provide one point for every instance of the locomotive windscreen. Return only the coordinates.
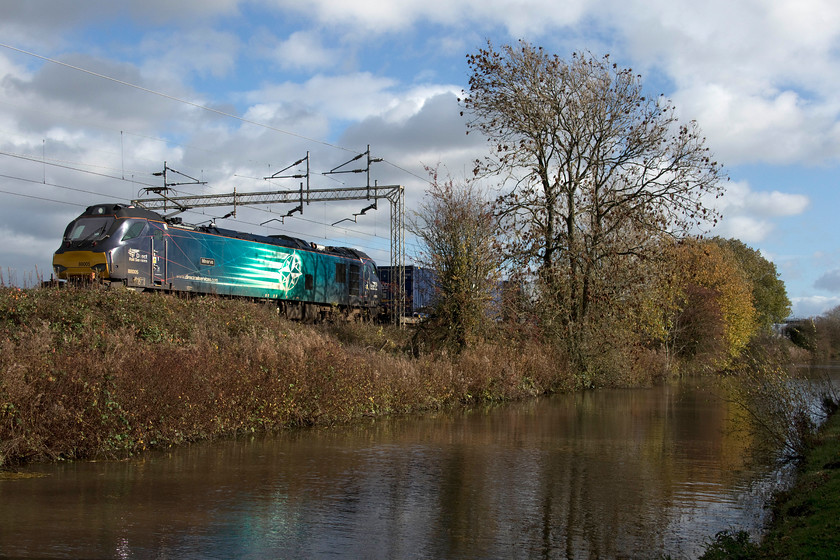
(88, 229)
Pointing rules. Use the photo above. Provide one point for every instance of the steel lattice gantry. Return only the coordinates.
(393, 193)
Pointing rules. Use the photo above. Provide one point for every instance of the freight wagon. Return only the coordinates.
(420, 287)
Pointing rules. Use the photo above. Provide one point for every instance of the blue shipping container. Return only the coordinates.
(419, 288)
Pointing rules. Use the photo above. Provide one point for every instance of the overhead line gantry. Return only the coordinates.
(394, 194)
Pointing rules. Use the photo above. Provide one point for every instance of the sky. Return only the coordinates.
(97, 95)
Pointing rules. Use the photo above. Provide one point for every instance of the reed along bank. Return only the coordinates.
(805, 518)
(89, 372)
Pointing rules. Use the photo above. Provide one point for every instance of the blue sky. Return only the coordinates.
(330, 77)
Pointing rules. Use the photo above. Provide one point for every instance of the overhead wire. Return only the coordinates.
(136, 182)
(48, 184)
(301, 218)
(40, 197)
(65, 187)
(172, 97)
(236, 220)
(198, 106)
(46, 162)
(180, 100)
(69, 118)
(61, 165)
(289, 231)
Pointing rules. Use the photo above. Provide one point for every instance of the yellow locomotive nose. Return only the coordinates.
(80, 265)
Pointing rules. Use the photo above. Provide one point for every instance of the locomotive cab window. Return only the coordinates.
(89, 229)
(340, 273)
(309, 282)
(134, 230)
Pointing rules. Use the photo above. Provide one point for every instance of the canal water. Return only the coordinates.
(636, 473)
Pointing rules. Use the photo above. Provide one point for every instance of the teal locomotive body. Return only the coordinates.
(141, 250)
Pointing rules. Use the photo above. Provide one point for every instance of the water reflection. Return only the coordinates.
(631, 473)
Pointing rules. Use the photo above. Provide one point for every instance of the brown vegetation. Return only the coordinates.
(95, 372)
(454, 226)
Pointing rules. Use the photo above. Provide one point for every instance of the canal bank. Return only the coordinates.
(93, 373)
(96, 373)
(806, 520)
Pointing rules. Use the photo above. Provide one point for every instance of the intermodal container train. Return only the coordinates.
(116, 243)
(420, 289)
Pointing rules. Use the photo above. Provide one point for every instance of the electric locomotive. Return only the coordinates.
(116, 243)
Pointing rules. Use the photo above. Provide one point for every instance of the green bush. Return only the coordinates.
(731, 546)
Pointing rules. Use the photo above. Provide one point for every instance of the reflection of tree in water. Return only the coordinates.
(606, 473)
(594, 479)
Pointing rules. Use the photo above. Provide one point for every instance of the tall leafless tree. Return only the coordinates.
(599, 172)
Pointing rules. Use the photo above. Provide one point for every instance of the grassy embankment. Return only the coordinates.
(806, 518)
(95, 372)
(807, 522)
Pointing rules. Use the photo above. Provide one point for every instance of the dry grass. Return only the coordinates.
(94, 372)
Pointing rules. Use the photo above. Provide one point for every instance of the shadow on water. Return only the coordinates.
(613, 473)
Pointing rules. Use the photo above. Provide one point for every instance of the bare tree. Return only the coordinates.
(455, 227)
(599, 172)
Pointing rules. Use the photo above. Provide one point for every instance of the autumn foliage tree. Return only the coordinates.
(708, 313)
(597, 173)
(768, 290)
(824, 335)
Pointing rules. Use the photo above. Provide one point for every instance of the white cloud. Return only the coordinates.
(27, 258)
(303, 50)
(813, 306)
(771, 127)
(776, 203)
(747, 43)
(830, 281)
(373, 16)
(760, 77)
(19, 243)
(57, 95)
(423, 125)
(182, 11)
(344, 97)
(52, 14)
(746, 228)
(749, 215)
(202, 51)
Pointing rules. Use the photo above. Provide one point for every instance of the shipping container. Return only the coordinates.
(419, 289)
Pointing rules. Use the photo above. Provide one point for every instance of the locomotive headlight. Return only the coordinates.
(100, 268)
(59, 268)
